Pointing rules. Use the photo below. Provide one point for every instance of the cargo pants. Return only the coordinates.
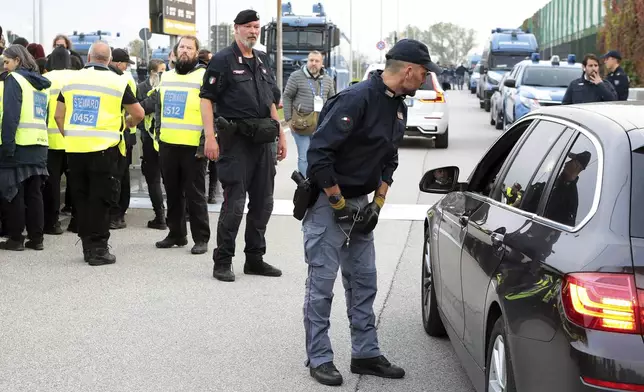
(325, 253)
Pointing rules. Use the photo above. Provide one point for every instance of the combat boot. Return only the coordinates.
(223, 272)
(378, 366)
(260, 267)
(100, 255)
(158, 222)
(169, 242)
(13, 245)
(327, 374)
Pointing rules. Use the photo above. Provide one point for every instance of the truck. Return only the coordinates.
(302, 34)
(82, 41)
(162, 54)
(502, 51)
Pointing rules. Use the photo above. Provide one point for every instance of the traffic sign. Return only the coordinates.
(145, 34)
(380, 45)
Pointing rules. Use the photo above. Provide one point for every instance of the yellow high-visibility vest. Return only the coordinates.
(93, 114)
(132, 83)
(147, 122)
(32, 128)
(181, 108)
(58, 79)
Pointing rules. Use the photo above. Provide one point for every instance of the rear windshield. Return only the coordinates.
(550, 76)
(637, 194)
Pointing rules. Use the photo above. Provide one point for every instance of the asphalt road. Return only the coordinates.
(158, 321)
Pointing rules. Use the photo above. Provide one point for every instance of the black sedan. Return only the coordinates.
(534, 267)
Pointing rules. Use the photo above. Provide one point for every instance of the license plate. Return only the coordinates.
(409, 102)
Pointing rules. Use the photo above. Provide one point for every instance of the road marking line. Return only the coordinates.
(392, 212)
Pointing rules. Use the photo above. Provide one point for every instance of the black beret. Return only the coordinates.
(246, 16)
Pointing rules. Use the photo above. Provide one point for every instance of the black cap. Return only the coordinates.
(121, 56)
(583, 158)
(614, 54)
(412, 51)
(246, 16)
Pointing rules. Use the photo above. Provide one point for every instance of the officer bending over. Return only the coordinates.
(354, 153)
(590, 87)
(240, 82)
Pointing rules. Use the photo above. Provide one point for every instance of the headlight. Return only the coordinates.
(531, 103)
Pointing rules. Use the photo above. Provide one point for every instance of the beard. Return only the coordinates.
(184, 66)
(249, 43)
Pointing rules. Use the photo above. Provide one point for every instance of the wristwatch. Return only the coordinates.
(335, 199)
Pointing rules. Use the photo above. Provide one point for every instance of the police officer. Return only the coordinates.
(120, 64)
(179, 126)
(590, 87)
(354, 153)
(616, 74)
(89, 112)
(240, 82)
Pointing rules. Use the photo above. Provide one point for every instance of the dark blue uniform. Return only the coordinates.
(620, 82)
(584, 91)
(356, 143)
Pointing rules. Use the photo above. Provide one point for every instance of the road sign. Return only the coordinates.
(145, 34)
(380, 45)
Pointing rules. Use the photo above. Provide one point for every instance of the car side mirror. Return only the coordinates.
(510, 83)
(441, 180)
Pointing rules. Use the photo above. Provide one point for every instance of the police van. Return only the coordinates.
(535, 83)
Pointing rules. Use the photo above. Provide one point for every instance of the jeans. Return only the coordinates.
(302, 143)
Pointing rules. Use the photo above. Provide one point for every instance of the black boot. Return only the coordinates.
(73, 226)
(199, 248)
(100, 255)
(36, 244)
(86, 250)
(260, 267)
(158, 222)
(12, 245)
(327, 374)
(223, 272)
(117, 223)
(169, 242)
(378, 366)
(54, 230)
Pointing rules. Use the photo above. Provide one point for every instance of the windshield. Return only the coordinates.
(550, 76)
(302, 39)
(477, 69)
(505, 61)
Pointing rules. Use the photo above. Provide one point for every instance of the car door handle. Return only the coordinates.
(497, 239)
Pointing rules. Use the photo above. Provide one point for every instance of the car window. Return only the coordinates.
(637, 193)
(511, 188)
(573, 192)
(535, 190)
(549, 76)
(429, 84)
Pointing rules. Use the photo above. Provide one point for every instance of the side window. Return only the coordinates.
(573, 192)
(511, 188)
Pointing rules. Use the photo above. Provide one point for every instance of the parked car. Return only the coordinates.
(427, 110)
(497, 105)
(534, 267)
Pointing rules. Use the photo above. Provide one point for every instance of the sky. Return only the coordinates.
(129, 16)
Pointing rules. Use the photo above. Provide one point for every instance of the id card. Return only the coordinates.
(85, 110)
(318, 103)
(40, 105)
(174, 104)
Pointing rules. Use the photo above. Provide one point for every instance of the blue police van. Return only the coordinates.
(535, 83)
(502, 51)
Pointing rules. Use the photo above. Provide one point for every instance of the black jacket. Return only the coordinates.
(584, 91)
(12, 155)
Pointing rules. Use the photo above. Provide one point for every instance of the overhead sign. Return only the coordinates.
(380, 45)
(179, 17)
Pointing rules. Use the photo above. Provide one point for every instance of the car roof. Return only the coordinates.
(627, 114)
(545, 63)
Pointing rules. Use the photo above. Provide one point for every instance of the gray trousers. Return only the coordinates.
(325, 252)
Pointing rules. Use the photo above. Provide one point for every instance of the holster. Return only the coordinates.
(305, 196)
(258, 130)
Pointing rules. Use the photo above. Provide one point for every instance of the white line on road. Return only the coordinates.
(394, 212)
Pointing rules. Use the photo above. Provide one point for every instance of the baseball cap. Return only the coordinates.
(583, 158)
(121, 56)
(614, 54)
(412, 51)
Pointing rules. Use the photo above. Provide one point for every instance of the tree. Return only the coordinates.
(623, 30)
(360, 64)
(447, 42)
(136, 48)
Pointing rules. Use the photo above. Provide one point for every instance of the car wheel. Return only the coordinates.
(486, 106)
(481, 103)
(431, 319)
(499, 122)
(441, 141)
(473, 90)
(498, 369)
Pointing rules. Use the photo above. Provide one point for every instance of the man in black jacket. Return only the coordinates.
(590, 87)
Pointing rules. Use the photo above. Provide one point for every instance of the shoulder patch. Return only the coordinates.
(345, 123)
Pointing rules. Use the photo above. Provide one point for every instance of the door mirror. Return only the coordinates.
(262, 35)
(441, 180)
(510, 83)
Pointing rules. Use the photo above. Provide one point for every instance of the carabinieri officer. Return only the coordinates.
(354, 153)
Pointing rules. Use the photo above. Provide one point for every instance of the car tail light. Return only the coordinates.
(606, 302)
(614, 386)
(440, 98)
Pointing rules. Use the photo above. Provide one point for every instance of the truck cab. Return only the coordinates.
(81, 41)
(302, 34)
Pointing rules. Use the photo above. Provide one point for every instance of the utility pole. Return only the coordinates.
(351, 37)
(278, 55)
(210, 46)
(41, 30)
(381, 33)
(34, 23)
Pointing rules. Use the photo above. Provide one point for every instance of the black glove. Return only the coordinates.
(343, 211)
(370, 215)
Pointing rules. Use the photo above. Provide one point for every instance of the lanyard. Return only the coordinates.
(313, 90)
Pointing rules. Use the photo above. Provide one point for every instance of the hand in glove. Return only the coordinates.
(343, 211)
(370, 215)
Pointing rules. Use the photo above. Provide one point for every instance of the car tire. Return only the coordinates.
(481, 103)
(499, 374)
(429, 307)
(473, 90)
(442, 141)
(499, 122)
(486, 105)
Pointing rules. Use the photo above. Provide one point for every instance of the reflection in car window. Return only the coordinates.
(574, 189)
(538, 184)
(526, 162)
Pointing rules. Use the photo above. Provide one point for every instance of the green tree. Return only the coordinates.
(136, 48)
(447, 42)
(360, 64)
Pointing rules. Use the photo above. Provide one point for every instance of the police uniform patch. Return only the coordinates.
(616, 82)
(345, 123)
(239, 71)
(212, 80)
